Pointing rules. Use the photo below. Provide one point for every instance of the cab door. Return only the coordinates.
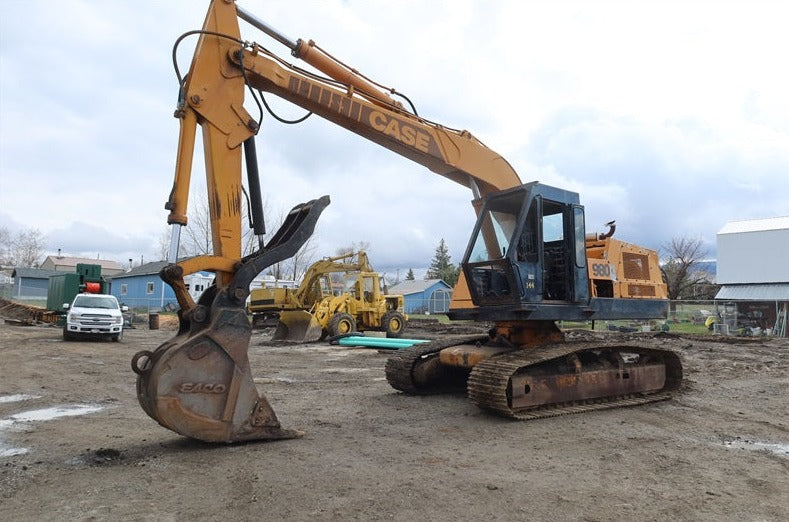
(528, 254)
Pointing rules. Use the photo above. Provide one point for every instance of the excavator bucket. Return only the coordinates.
(199, 383)
(298, 326)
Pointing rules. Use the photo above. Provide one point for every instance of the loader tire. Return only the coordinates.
(341, 324)
(393, 324)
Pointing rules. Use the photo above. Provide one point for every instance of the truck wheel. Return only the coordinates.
(341, 324)
(118, 336)
(67, 336)
(393, 324)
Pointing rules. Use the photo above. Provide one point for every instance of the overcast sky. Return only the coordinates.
(670, 117)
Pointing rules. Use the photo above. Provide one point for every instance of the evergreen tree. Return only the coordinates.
(410, 275)
(441, 267)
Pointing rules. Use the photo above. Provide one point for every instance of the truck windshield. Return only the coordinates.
(95, 301)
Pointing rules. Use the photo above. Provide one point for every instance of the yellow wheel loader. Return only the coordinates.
(323, 306)
(266, 303)
(363, 306)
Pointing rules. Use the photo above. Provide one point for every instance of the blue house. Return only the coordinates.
(426, 296)
(142, 288)
(31, 283)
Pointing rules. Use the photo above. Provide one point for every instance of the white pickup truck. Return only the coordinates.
(94, 315)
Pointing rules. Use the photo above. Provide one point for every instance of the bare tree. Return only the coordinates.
(352, 248)
(5, 247)
(680, 266)
(196, 239)
(298, 264)
(26, 248)
(163, 244)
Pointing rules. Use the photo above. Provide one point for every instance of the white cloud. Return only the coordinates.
(670, 117)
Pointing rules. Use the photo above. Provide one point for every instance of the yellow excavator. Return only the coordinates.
(529, 261)
(316, 309)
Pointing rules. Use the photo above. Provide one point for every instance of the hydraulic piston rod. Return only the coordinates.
(263, 26)
(313, 55)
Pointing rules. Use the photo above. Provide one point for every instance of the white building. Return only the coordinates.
(753, 269)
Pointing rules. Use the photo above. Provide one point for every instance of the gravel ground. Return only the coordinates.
(75, 444)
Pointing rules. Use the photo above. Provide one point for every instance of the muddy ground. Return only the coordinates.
(75, 444)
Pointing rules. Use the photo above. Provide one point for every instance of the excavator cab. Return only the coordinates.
(528, 249)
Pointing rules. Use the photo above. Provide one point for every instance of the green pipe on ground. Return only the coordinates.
(379, 342)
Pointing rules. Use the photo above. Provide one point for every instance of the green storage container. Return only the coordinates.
(89, 273)
(64, 287)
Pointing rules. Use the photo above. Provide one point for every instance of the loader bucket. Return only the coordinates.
(297, 326)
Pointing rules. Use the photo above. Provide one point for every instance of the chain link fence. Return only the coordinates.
(702, 317)
(683, 317)
(24, 293)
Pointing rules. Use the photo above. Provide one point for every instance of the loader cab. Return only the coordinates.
(528, 248)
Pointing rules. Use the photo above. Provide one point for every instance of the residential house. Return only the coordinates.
(424, 296)
(69, 264)
(142, 288)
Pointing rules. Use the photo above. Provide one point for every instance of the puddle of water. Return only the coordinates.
(7, 451)
(345, 370)
(771, 447)
(269, 380)
(17, 398)
(43, 414)
(54, 413)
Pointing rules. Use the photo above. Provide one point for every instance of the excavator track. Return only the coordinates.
(490, 384)
(416, 370)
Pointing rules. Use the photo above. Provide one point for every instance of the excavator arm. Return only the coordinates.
(211, 395)
(212, 96)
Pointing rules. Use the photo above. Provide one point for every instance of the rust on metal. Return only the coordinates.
(199, 383)
(468, 355)
(574, 377)
(534, 390)
(528, 334)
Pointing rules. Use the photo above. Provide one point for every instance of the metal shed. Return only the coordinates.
(754, 273)
(31, 283)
